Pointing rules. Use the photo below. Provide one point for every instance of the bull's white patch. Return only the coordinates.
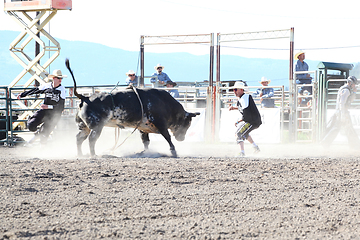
(119, 114)
(149, 105)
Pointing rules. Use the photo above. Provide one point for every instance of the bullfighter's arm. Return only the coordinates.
(31, 92)
(344, 95)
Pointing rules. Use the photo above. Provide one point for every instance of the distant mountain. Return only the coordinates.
(96, 64)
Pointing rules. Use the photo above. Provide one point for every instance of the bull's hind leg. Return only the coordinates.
(145, 139)
(93, 137)
(81, 137)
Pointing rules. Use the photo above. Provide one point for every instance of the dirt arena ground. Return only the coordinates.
(285, 192)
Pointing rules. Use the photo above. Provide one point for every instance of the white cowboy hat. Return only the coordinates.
(238, 85)
(264, 79)
(298, 54)
(57, 73)
(353, 79)
(159, 65)
(130, 72)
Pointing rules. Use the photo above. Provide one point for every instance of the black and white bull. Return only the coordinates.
(157, 112)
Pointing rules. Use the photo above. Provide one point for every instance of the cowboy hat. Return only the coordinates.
(130, 72)
(264, 79)
(298, 54)
(353, 79)
(171, 83)
(159, 65)
(238, 85)
(57, 73)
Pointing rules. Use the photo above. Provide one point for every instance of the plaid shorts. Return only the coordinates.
(243, 130)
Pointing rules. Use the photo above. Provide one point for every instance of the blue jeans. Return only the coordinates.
(307, 88)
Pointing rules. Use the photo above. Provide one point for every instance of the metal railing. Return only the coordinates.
(305, 117)
(191, 97)
(4, 116)
(332, 86)
(18, 125)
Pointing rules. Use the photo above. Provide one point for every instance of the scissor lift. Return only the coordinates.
(32, 26)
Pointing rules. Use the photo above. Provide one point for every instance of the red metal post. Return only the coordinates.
(291, 70)
(211, 74)
(218, 59)
(291, 88)
(212, 86)
(213, 114)
(142, 60)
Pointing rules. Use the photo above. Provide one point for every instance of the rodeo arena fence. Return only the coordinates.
(288, 121)
(194, 97)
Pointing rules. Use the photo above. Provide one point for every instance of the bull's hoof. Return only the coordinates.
(87, 155)
(108, 156)
(148, 154)
(173, 154)
(142, 153)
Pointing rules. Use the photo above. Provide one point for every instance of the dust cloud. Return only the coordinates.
(126, 143)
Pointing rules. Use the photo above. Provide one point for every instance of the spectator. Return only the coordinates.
(162, 78)
(132, 78)
(341, 119)
(265, 94)
(250, 117)
(303, 78)
(173, 92)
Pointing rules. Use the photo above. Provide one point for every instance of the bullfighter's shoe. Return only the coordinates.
(241, 154)
(256, 149)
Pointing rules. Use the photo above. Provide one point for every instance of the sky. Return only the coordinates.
(326, 31)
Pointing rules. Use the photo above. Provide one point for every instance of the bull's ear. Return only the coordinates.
(192, 114)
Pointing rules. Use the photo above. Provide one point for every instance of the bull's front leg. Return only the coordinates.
(81, 137)
(167, 136)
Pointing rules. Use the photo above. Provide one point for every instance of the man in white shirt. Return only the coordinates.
(341, 119)
(250, 117)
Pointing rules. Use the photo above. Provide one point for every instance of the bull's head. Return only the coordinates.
(183, 125)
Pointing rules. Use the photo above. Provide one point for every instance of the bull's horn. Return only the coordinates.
(191, 114)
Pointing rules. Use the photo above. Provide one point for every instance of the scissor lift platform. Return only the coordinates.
(23, 13)
(37, 5)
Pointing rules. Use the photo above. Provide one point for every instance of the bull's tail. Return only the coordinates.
(80, 96)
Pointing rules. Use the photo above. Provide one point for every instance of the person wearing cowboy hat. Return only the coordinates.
(162, 78)
(50, 111)
(173, 92)
(265, 94)
(341, 120)
(250, 117)
(132, 79)
(303, 78)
